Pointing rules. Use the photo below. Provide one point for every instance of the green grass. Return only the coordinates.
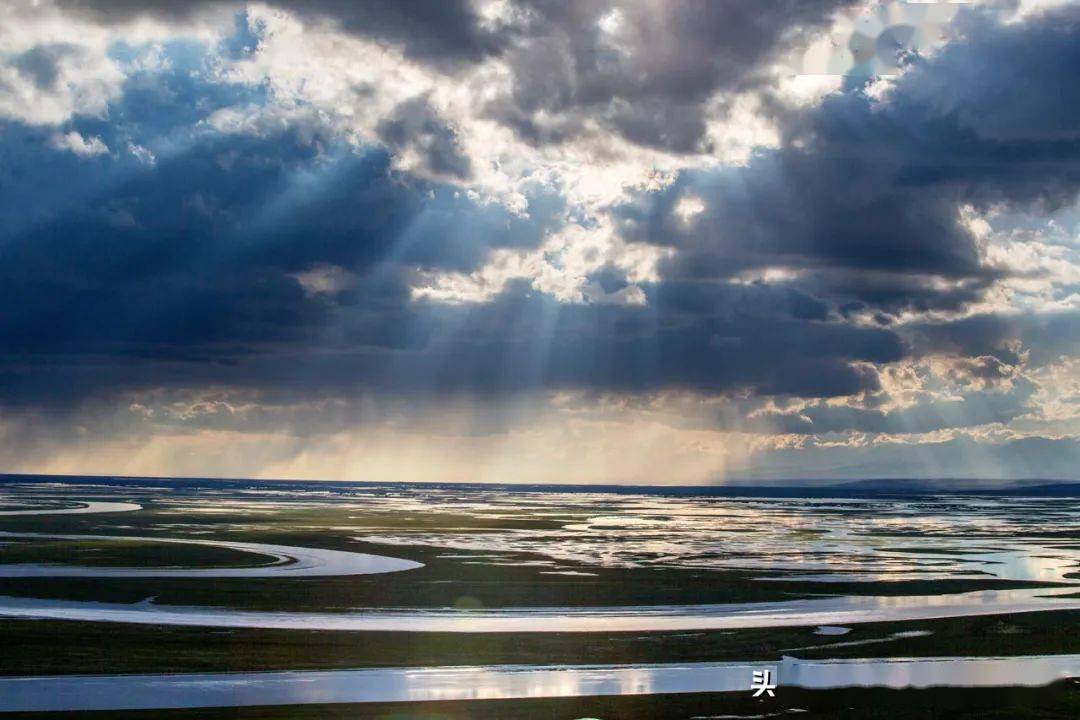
(442, 582)
(121, 648)
(53, 647)
(126, 553)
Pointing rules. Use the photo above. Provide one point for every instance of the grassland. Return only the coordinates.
(468, 579)
(125, 553)
(90, 648)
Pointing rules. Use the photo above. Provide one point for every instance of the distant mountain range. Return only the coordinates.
(911, 486)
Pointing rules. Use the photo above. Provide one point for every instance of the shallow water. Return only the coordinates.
(129, 692)
(850, 539)
(581, 534)
(803, 540)
(289, 561)
(773, 539)
(791, 613)
(85, 508)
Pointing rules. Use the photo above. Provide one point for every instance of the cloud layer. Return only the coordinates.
(326, 226)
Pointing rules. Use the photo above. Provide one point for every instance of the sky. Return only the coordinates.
(607, 241)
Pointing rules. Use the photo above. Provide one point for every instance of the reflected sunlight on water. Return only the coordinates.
(125, 692)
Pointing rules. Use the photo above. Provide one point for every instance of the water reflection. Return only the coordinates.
(839, 610)
(827, 539)
(83, 508)
(132, 692)
(287, 561)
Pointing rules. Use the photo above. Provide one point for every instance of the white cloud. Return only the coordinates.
(56, 65)
(81, 146)
(143, 154)
(324, 80)
(689, 207)
(560, 267)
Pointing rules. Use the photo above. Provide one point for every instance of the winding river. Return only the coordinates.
(292, 561)
(118, 692)
(144, 692)
(86, 508)
(843, 610)
(288, 561)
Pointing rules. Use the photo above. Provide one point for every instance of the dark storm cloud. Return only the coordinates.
(609, 279)
(40, 62)
(443, 31)
(644, 70)
(205, 252)
(865, 197)
(1034, 457)
(969, 410)
(401, 352)
(949, 126)
(699, 337)
(1044, 337)
(802, 210)
(1037, 58)
(415, 125)
(426, 30)
(133, 275)
(191, 273)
